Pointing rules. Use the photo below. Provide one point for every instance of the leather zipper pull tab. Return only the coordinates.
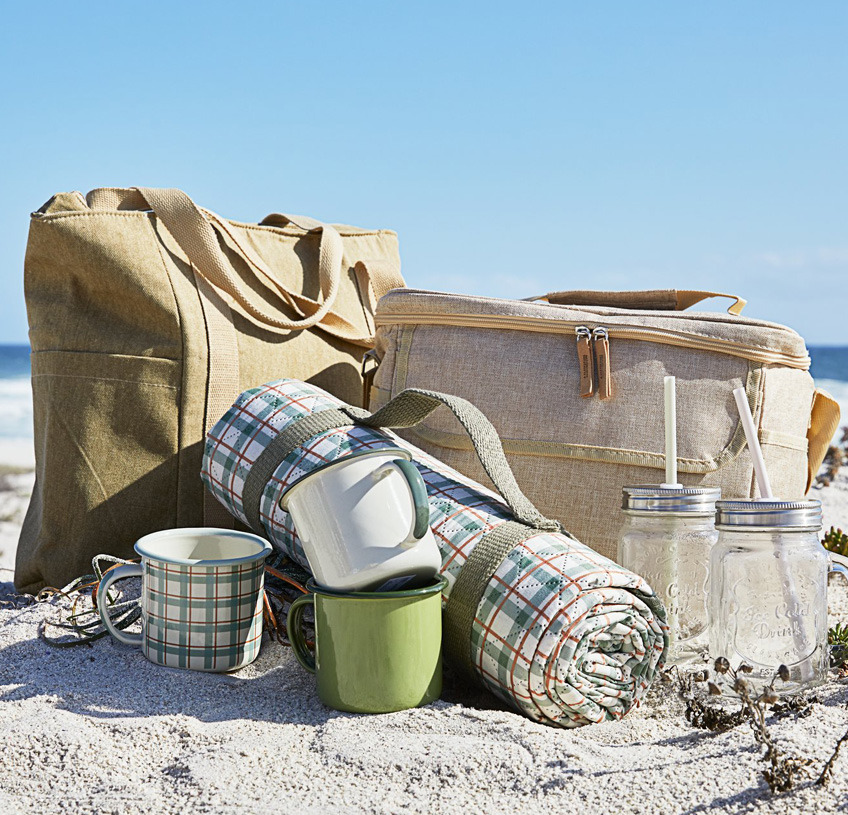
(600, 337)
(586, 360)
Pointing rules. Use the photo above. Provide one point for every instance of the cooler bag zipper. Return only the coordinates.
(586, 361)
(593, 343)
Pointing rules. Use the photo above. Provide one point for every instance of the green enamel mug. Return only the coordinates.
(375, 652)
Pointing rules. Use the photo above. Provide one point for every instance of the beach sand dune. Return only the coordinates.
(99, 729)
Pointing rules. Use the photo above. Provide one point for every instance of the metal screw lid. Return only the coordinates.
(769, 514)
(660, 498)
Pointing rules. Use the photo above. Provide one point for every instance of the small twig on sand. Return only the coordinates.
(782, 771)
(827, 770)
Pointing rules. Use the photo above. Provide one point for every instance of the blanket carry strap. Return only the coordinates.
(407, 409)
(289, 439)
(413, 405)
(470, 586)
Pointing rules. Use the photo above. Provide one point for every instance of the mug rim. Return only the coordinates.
(437, 585)
(142, 543)
(395, 451)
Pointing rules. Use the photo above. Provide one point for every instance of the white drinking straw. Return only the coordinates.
(790, 593)
(671, 577)
(753, 443)
(670, 433)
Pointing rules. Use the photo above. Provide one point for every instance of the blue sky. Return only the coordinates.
(516, 148)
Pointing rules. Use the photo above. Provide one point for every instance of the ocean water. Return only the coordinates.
(830, 370)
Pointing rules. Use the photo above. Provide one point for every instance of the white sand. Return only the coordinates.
(98, 729)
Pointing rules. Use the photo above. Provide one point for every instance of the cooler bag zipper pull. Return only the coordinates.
(600, 337)
(586, 359)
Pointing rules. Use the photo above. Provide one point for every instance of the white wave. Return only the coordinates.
(15, 408)
(16, 412)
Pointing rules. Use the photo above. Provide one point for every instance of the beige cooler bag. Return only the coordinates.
(148, 316)
(574, 386)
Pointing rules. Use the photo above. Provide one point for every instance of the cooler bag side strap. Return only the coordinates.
(824, 421)
(649, 300)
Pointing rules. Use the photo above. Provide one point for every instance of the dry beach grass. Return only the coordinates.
(99, 729)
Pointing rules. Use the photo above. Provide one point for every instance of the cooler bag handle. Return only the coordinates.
(824, 420)
(649, 300)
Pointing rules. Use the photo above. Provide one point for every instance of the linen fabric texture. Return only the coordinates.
(518, 362)
(148, 316)
(560, 633)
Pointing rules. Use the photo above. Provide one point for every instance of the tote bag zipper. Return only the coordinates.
(593, 344)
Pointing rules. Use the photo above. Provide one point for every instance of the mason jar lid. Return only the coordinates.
(769, 514)
(660, 498)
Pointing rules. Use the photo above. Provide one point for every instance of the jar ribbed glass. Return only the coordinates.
(667, 536)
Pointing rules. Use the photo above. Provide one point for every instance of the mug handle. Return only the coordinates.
(294, 628)
(118, 573)
(418, 491)
(838, 564)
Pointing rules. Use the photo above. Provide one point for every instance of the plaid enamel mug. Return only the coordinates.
(201, 598)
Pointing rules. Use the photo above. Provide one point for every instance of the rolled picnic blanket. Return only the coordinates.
(556, 630)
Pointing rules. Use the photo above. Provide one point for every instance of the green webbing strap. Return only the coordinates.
(284, 443)
(407, 409)
(413, 405)
(467, 591)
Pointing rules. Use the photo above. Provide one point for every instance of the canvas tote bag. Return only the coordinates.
(574, 386)
(148, 316)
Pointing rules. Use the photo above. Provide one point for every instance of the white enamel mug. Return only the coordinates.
(364, 522)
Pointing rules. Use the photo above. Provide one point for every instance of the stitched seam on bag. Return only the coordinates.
(108, 354)
(131, 213)
(777, 438)
(402, 358)
(608, 455)
(278, 230)
(109, 379)
(707, 317)
(754, 382)
(97, 212)
(182, 390)
(610, 325)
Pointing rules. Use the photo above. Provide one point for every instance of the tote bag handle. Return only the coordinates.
(196, 231)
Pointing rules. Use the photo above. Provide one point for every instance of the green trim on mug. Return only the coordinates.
(420, 500)
(395, 451)
(264, 547)
(438, 584)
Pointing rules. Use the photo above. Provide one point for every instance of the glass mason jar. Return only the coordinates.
(768, 600)
(666, 538)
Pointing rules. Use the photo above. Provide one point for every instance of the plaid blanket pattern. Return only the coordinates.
(207, 619)
(561, 633)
